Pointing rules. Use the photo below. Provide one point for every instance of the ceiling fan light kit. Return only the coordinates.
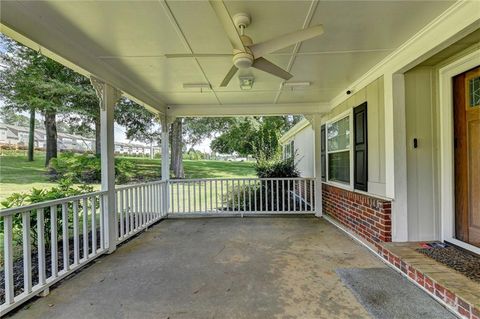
(246, 82)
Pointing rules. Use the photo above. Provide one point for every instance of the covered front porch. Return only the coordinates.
(143, 258)
(225, 268)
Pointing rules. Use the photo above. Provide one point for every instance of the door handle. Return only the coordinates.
(415, 143)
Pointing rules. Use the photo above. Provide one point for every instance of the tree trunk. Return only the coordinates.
(31, 135)
(176, 157)
(51, 132)
(97, 136)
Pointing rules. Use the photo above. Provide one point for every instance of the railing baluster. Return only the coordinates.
(276, 186)
(288, 194)
(189, 197)
(27, 253)
(122, 207)
(8, 258)
(250, 195)
(255, 185)
(85, 227)
(211, 194)
(76, 257)
(178, 196)
(41, 246)
(54, 240)
(94, 225)
(137, 210)
(221, 195)
(194, 196)
(271, 195)
(183, 196)
(244, 195)
(206, 196)
(311, 195)
(216, 196)
(283, 195)
(66, 252)
(261, 196)
(102, 216)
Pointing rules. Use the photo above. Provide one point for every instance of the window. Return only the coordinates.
(323, 152)
(288, 150)
(338, 150)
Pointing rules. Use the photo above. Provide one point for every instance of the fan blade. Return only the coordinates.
(286, 40)
(267, 66)
(229, 76)
(198, 55)
(228, 25)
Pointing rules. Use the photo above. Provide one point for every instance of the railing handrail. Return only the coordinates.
(242, 179)
(139, 184)
(19, 209)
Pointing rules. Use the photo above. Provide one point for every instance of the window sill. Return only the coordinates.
(351, 189)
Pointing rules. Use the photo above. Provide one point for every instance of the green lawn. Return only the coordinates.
(19, 175)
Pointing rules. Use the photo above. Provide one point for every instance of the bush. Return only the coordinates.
(277, 169)
(266, 190)
(86, 168)
(64, 189)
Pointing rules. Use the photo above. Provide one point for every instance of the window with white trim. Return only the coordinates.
(288, 150)
(338, 150)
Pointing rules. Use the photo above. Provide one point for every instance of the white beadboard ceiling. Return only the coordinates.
(128, 40)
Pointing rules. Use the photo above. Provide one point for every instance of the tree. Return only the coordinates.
(256, 136)
(31, 82)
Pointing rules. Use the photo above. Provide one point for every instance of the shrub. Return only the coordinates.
(277, 169)
(64, 189)
(240, 197)
(86, 168)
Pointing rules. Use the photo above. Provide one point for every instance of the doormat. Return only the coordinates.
(384, 293)
(462, 261)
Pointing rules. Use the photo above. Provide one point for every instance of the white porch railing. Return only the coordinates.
(44, 242)
(242, 196)
(138, 206)
(65, 234)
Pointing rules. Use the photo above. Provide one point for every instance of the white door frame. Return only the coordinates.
(447, 160)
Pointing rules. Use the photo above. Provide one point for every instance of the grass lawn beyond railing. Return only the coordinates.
(18, 175)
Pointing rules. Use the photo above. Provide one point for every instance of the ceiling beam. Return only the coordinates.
(210, 110)
(296, 48)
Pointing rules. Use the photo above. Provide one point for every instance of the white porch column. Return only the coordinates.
(396, 153)
(108, 96)
(165, 149)
(315, 121)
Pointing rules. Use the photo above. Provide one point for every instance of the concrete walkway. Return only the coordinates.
(217, 268)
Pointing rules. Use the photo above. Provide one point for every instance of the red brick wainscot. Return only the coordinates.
(367, 216)
(462, 307)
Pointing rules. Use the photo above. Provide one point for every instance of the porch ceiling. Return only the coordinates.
(125, 44)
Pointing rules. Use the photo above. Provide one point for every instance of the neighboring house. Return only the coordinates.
(299, 142)
(18, 136)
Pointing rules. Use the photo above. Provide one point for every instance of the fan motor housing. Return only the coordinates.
(243, 60)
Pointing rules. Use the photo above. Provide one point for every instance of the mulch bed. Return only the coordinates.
(462, 261)
(18, 264)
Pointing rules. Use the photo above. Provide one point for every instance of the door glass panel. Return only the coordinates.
(474, 91)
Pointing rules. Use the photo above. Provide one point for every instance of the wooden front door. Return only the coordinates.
(466, 98)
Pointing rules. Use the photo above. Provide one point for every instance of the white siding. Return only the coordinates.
(373, 95)
(304, 148)
(420, 124)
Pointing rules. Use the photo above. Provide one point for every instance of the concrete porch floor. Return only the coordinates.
(217, 268)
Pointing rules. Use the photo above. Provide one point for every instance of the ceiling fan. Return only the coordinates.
(247, 54)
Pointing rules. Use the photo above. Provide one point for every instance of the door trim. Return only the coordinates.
(447, 178)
